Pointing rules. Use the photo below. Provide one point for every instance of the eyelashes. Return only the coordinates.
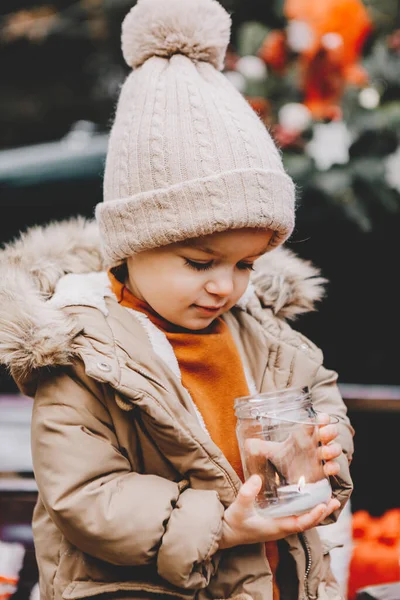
(197, 266)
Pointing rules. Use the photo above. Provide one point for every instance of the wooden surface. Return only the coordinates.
(382, 398)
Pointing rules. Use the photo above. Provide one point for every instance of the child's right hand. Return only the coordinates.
(243, 525)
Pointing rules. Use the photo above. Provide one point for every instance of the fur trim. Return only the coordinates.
(82, 289)
(47, 253)
(243, 300)
(288, 285)
(35, 332)
(32, 334)
(198, 29)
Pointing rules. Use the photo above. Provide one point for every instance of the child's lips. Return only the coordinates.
(209, 309)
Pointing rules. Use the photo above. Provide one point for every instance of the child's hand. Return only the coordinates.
(302, 441)
(329, 451)
(243, 525)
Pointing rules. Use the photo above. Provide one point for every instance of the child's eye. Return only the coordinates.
(197, 266)
(245, 267)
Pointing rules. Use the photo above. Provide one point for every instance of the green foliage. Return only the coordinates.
(359, 187)
(250, 37)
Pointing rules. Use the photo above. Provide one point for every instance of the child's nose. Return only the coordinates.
(223, 286)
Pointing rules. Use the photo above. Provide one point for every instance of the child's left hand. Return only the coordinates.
(329, 449)
(304, 441)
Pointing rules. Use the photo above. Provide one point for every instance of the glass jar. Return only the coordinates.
(278, 436)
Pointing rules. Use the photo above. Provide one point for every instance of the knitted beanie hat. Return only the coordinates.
(187, 155)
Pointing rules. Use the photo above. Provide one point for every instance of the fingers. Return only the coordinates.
(260, 447)
(323, 418)
(327, 433)
(333, 505)
(313, 518)
(328, 454)
(289, 525)
(327, 509)
(248, 493)
(331, 451)
(331, 468)
(242, 525)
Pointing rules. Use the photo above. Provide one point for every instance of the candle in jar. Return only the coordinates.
(298, 499)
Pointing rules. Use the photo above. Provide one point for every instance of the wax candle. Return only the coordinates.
(296, 500)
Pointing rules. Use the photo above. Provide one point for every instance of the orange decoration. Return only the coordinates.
(393, 41)
(340, 28)
(348, 18)
(356, 75)
(287, 139)
(10, 584)
(274, 50)
(323, 84)
(375, 558)
(231, 59)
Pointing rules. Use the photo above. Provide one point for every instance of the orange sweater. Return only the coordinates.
(212, 372)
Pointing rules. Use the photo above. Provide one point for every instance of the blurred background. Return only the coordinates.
(325, 79)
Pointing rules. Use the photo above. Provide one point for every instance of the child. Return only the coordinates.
(135, 371)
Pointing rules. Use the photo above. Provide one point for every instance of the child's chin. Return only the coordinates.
(196, 324)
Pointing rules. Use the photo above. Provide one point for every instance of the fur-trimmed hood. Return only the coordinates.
(35, 333)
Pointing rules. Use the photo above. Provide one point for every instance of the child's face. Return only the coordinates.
(193, 282)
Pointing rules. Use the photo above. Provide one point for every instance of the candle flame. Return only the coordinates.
(301, 484)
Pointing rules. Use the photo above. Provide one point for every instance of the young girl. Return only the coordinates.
(135, 370)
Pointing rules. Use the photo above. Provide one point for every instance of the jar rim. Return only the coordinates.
(303, 392)
(285, 400)
(333, 420)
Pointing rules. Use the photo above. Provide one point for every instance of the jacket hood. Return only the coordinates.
(34, 333)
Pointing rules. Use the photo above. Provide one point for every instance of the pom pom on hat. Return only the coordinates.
(198, 29)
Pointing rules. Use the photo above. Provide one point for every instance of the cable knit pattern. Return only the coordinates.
(252, 191)
(187, 155)
(281, 198)
(208, 158)
(202, 140)
(156, 143)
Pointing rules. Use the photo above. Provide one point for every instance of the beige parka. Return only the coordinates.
(131, 488)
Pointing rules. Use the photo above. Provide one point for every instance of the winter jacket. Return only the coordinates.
(132, 490)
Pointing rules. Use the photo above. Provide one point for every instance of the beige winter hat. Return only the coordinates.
(187, 155)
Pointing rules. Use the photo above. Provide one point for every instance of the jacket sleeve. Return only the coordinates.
(326, 397)
(104, 508)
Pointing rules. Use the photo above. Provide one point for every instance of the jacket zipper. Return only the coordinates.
(307, 551)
